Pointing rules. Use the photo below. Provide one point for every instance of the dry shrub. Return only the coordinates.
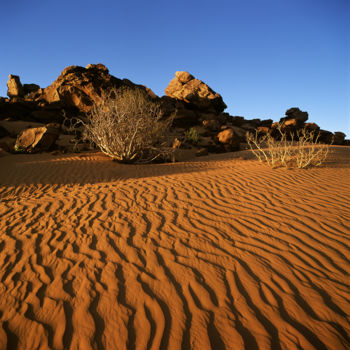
(126, 125)
(301, 150)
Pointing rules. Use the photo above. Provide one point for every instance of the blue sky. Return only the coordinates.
(262, 56)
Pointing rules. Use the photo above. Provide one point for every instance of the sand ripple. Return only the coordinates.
(205, 255)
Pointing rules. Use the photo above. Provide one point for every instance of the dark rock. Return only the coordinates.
(295, 113)
(325, 136)
(212, 124)
(7, 143)
(30, 89)
(339, 138)
(3, 132)
(311, 127)
(266, 122)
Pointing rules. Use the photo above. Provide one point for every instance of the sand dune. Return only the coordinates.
(218, 253)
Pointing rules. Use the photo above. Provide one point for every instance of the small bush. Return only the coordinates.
(299, 150)
(127, 126)
(192, 136)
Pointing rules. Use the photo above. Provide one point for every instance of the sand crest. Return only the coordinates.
(218, 253)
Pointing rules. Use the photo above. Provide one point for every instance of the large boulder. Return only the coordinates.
(299, 117)
(14, 87)
(229, 139)
(339, 138)
(198, 95)
(81, 87)
(37, 139)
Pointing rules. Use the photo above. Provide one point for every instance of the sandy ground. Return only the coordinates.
(217, 253)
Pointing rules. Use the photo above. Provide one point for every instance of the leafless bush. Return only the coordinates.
(300, 150)
(126, 125)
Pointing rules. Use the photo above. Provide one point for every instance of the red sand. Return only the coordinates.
(218, 253)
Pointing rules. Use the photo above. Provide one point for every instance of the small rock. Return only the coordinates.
(202, 152)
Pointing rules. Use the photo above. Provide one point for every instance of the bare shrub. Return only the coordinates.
(299, 150)
(126, 125)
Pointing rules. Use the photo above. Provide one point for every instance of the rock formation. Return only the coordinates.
(188, 101)
(14, 87)
(185, 87)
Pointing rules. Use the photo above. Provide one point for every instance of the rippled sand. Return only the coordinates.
(218, 253)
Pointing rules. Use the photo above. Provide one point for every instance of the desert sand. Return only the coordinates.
(220, 252)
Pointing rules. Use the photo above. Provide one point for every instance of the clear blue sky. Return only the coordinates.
(262, 56)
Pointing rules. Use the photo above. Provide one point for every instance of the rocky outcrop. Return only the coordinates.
(189, 102)
(81, 87)
(14, 87)
(37, 139)
(198, 95)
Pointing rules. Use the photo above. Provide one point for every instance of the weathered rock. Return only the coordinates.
(212, 124)
(311, 127)
(186, 88)
(237, 120)
(229, 138)
(263, 129)
(266, 122)
(185, 118)
(46, 115)
(248, 126)
(30, 88)
(15, 127)
(36, 139)
(295, 113)
(325, 136)
(183, 77)
(293, 122)
(14, 87)
(81, 87)
(339, 138)
(17, 110)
